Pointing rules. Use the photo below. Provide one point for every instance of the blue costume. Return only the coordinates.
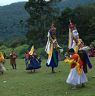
(51, 49)
(54, 59)
(35, 63)
(85, 60)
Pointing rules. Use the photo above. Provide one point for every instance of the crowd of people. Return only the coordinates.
(76, 56)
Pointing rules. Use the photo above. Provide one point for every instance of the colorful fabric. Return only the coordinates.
(50, 54)
(74, 41)
(75, 62)
(88, 61)
(34, 63)
(31, 51)
(54, 59)
(85, 60)
(75, 79)
(47, 48)
(51, 51)
(1, 57)
(70, 39)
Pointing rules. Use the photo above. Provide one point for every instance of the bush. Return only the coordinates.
(5, 50)
(20, 50)
(41, 52)
(92, 45)
(3, 47)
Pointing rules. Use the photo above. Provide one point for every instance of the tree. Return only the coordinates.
(84, 22)
(41, 16)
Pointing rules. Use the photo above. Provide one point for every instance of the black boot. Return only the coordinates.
(53, 70)
(82, 85)
(13, 66)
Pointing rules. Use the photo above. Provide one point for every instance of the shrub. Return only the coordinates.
(92, 45)
(20, 50)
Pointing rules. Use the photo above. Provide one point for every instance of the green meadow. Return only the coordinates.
(20, 82)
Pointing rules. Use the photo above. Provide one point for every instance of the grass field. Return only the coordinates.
(42, 83)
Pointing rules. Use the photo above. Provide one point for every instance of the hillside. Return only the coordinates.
(13, 20)
(71, 3)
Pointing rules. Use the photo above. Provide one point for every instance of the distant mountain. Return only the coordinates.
(13, 17)
(13, 21)
(71, 3)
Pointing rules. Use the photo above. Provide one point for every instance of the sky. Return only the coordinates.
(7, 2)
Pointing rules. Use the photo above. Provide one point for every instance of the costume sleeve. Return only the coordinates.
(88, 61)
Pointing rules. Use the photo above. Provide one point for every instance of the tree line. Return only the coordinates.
(42, 14)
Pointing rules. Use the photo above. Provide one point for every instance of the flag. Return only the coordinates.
(71, 28)
(31, 50)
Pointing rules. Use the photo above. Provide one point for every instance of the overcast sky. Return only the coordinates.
(7, 2)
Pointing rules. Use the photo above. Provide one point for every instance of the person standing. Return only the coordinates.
(51, 48)
(13, 57)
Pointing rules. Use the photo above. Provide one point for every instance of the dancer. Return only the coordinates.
(52, 48)
(35, 61)
(2, 68)
(75, 41)
(76, 75)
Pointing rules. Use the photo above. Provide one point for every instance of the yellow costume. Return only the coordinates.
(1, 57)
(71, 61)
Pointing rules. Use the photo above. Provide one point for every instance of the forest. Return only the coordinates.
(33, 26)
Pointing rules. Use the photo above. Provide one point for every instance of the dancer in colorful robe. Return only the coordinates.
(77, 44)
(2, 68)
(75, 41)
(76, 75)
(51, 48)
(35, 61)
(85, 60)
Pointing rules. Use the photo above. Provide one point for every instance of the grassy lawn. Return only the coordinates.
(42, 83)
